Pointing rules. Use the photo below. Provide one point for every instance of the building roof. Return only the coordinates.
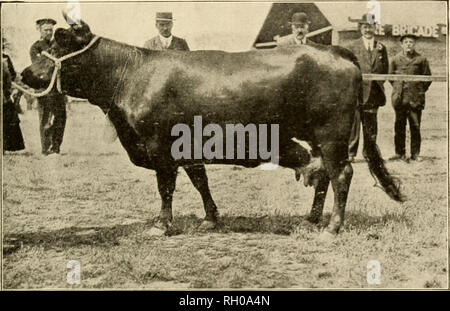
(396, 12)
(205, 25)
(276, 22)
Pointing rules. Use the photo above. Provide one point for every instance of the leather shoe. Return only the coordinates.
(398, 157)
(416, 158)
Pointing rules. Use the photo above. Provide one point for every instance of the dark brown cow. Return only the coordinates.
(310, 91)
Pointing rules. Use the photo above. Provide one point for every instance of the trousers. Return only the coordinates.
(52, 121)
(370, 130)
(413, 116)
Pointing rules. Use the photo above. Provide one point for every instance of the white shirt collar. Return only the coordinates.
(369, 43)
(300, 42)
(165, 41)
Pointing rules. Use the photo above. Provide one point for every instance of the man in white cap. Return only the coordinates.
(52, 107)
(165, 40)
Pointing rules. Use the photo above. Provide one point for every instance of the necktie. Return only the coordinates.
(370, 51)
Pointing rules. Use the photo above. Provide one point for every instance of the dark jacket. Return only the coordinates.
(375, 62)
(409, 93)
(9, 75)
(37, 48)
(176, 44)
(289, 40)
(35, 54)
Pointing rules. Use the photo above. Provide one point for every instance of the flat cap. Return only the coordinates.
(409, 35)
(43, 21)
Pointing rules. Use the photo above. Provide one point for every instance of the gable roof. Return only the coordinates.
(277, 20)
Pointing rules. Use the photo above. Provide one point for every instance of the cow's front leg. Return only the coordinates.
(166, 186)
(197, 174)
(319, 199)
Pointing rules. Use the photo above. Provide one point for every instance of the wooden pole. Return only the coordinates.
(407, 78)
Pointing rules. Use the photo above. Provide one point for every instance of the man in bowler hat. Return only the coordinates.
(52, 107)
(408, 98)
(165, 40)
(300, 27)
(373, 58)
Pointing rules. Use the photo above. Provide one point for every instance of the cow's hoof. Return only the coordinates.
(313, 219)
(326, 236)
(159, 229)
(154, 232)
(207, 225)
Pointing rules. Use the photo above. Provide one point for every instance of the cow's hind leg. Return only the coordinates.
(197, 174)
(340, 172)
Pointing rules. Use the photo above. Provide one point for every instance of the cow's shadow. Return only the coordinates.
(69, 237)
(188, 224)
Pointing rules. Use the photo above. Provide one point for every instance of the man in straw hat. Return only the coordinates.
(408, 98)
(300, 27)
(52, 107)
(165, 40)
(373, 58)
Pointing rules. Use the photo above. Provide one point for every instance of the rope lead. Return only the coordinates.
(56, 76)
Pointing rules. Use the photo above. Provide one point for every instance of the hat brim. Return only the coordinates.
(43, 21)
(361, 21)
(164, 20)
(415, 37)
(299, 23)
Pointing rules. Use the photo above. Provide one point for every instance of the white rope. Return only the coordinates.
(49, 88)
(56, 76)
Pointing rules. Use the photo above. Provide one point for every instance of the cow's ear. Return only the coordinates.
(83, 34)
(64, 38)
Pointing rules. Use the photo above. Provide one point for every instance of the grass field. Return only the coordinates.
(92, 205)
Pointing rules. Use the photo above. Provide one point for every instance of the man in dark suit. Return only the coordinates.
(52, 107)
(408, 98)
(162, 42)
(165, 40)
(373, 58)
(300, 27)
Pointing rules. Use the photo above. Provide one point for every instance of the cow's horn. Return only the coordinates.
(72, 20)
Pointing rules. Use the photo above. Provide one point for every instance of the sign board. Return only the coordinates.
(396, 30)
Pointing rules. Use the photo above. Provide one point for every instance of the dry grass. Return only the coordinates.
(93, 205)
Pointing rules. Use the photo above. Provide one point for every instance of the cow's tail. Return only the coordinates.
(376, 163)
(380, 172)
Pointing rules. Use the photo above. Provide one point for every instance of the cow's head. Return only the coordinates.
(75, 38)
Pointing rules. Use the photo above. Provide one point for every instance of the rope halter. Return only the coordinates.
(56, 76)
